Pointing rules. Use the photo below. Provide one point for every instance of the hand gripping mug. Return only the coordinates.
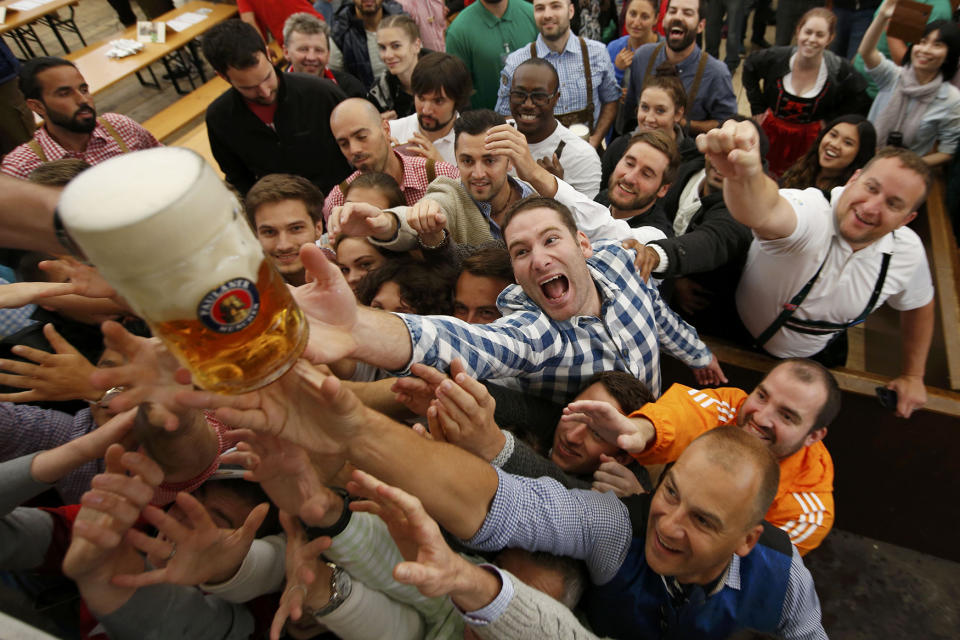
(167, 234)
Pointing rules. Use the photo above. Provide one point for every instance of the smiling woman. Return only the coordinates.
(398, 39)
(792, 90)
(844, 145)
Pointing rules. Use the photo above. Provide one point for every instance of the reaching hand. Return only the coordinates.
(330, 307)
(647, 259)
(465, 412)
(308, 577)
(284, 470)
(613, 476)
(61, 375)
(428, 220)
(624, 58)
(360, 219)
(193, 552)
(304, 406)
(98, 547)
(710, 375)
(420, 145)
(150, 374)
(18, 294)
(630, 434)
(504, 140)
(733, 149)
(418, 391)
(85, 279)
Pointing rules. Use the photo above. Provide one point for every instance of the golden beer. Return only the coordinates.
(171, 239)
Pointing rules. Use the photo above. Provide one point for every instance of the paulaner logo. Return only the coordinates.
(230, 307)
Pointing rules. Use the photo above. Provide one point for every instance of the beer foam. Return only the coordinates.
(162, 229)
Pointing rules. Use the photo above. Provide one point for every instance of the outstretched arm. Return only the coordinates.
(868, 45)
(751, 196)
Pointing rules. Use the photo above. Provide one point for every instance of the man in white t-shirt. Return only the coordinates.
(533, 94)
(816, 268)
(441, 88)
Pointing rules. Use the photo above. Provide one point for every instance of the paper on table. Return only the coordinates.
(185, 20)
(26, 5)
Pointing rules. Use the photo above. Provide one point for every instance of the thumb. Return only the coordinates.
(316, 264)
(253, 521)
(632, 443)
(605, 458)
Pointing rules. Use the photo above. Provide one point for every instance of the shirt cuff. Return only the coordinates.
(664, 260)
(498, 607)
(507, 450)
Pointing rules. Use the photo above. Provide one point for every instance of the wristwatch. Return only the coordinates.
(316, 532)
(340, 587)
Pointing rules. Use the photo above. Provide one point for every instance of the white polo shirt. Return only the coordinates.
(777, 269)
(580, 162)
(403, 129)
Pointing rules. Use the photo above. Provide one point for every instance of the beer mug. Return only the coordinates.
(167, 234)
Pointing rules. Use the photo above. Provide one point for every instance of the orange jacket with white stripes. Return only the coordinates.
(803, 506)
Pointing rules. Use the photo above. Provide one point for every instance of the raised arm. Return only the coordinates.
(868, 45)
(751, 196)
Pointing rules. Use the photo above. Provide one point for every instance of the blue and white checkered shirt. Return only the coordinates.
(540, 514)
(13, 320)
(573, 78)
(553, 359)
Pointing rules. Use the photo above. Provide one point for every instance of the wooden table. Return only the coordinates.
(19, 24)
(101, 72)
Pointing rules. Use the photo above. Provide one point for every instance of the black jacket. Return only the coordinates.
(652, 217)
(246, 149)
(350, 84)
(713, 238)
(348, 32)
(846, 93)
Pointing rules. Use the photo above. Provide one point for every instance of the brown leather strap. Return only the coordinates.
(35, 147)
(650, 65)
(586, 67)
(114, 134)
(533, 49)
(431, 168)
(692, 95)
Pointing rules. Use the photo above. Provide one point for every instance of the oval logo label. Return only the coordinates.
(230, 307)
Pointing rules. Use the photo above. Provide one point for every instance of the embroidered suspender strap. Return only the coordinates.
(431, 168)
(789, 308)
(695, 87)
(37, 149)
(819, 327)
(114, 134)
(650, 64)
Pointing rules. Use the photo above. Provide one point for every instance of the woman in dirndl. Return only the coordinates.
(792, 90)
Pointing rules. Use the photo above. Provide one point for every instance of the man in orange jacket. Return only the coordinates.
(790, 409)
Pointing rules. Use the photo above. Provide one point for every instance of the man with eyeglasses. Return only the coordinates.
(590, 92)
(536, 89)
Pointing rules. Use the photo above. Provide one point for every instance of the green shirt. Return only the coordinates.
(941, 11)
(483, 42)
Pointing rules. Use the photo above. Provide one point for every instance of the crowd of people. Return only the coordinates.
(496, 218)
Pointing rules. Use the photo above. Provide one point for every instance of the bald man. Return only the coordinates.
(268, 121)
(364, 139)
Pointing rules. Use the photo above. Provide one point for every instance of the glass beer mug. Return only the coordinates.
(167, 234)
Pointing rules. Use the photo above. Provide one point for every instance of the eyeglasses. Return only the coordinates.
(539, 98)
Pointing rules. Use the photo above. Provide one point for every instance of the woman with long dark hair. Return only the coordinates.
(843, 146)
(916, 106)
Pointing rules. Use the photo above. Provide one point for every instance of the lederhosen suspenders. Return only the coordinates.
(430, 166)
(37, 149)
(694, 88)
(585, 115)
(820, 327)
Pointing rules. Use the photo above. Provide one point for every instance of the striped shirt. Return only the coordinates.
(553, 359)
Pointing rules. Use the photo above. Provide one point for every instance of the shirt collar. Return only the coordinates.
(572, 46)
(491, 20)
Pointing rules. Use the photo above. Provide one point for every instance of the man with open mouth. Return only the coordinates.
(707, 80)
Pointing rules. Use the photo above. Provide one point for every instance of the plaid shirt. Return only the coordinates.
(540, 514)
(573, 77)
(22, 160)
(15, 319)
(414, 185)
(553, 359)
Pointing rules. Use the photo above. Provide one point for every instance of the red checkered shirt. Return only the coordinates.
(414, 185)
(22, 160)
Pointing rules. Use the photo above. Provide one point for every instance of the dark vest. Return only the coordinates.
(636, 604)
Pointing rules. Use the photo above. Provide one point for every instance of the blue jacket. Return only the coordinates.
(636, 604)
(348, 32)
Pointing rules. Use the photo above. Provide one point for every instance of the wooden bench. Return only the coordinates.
(197, 140)
(186, 110)
(945, 267)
